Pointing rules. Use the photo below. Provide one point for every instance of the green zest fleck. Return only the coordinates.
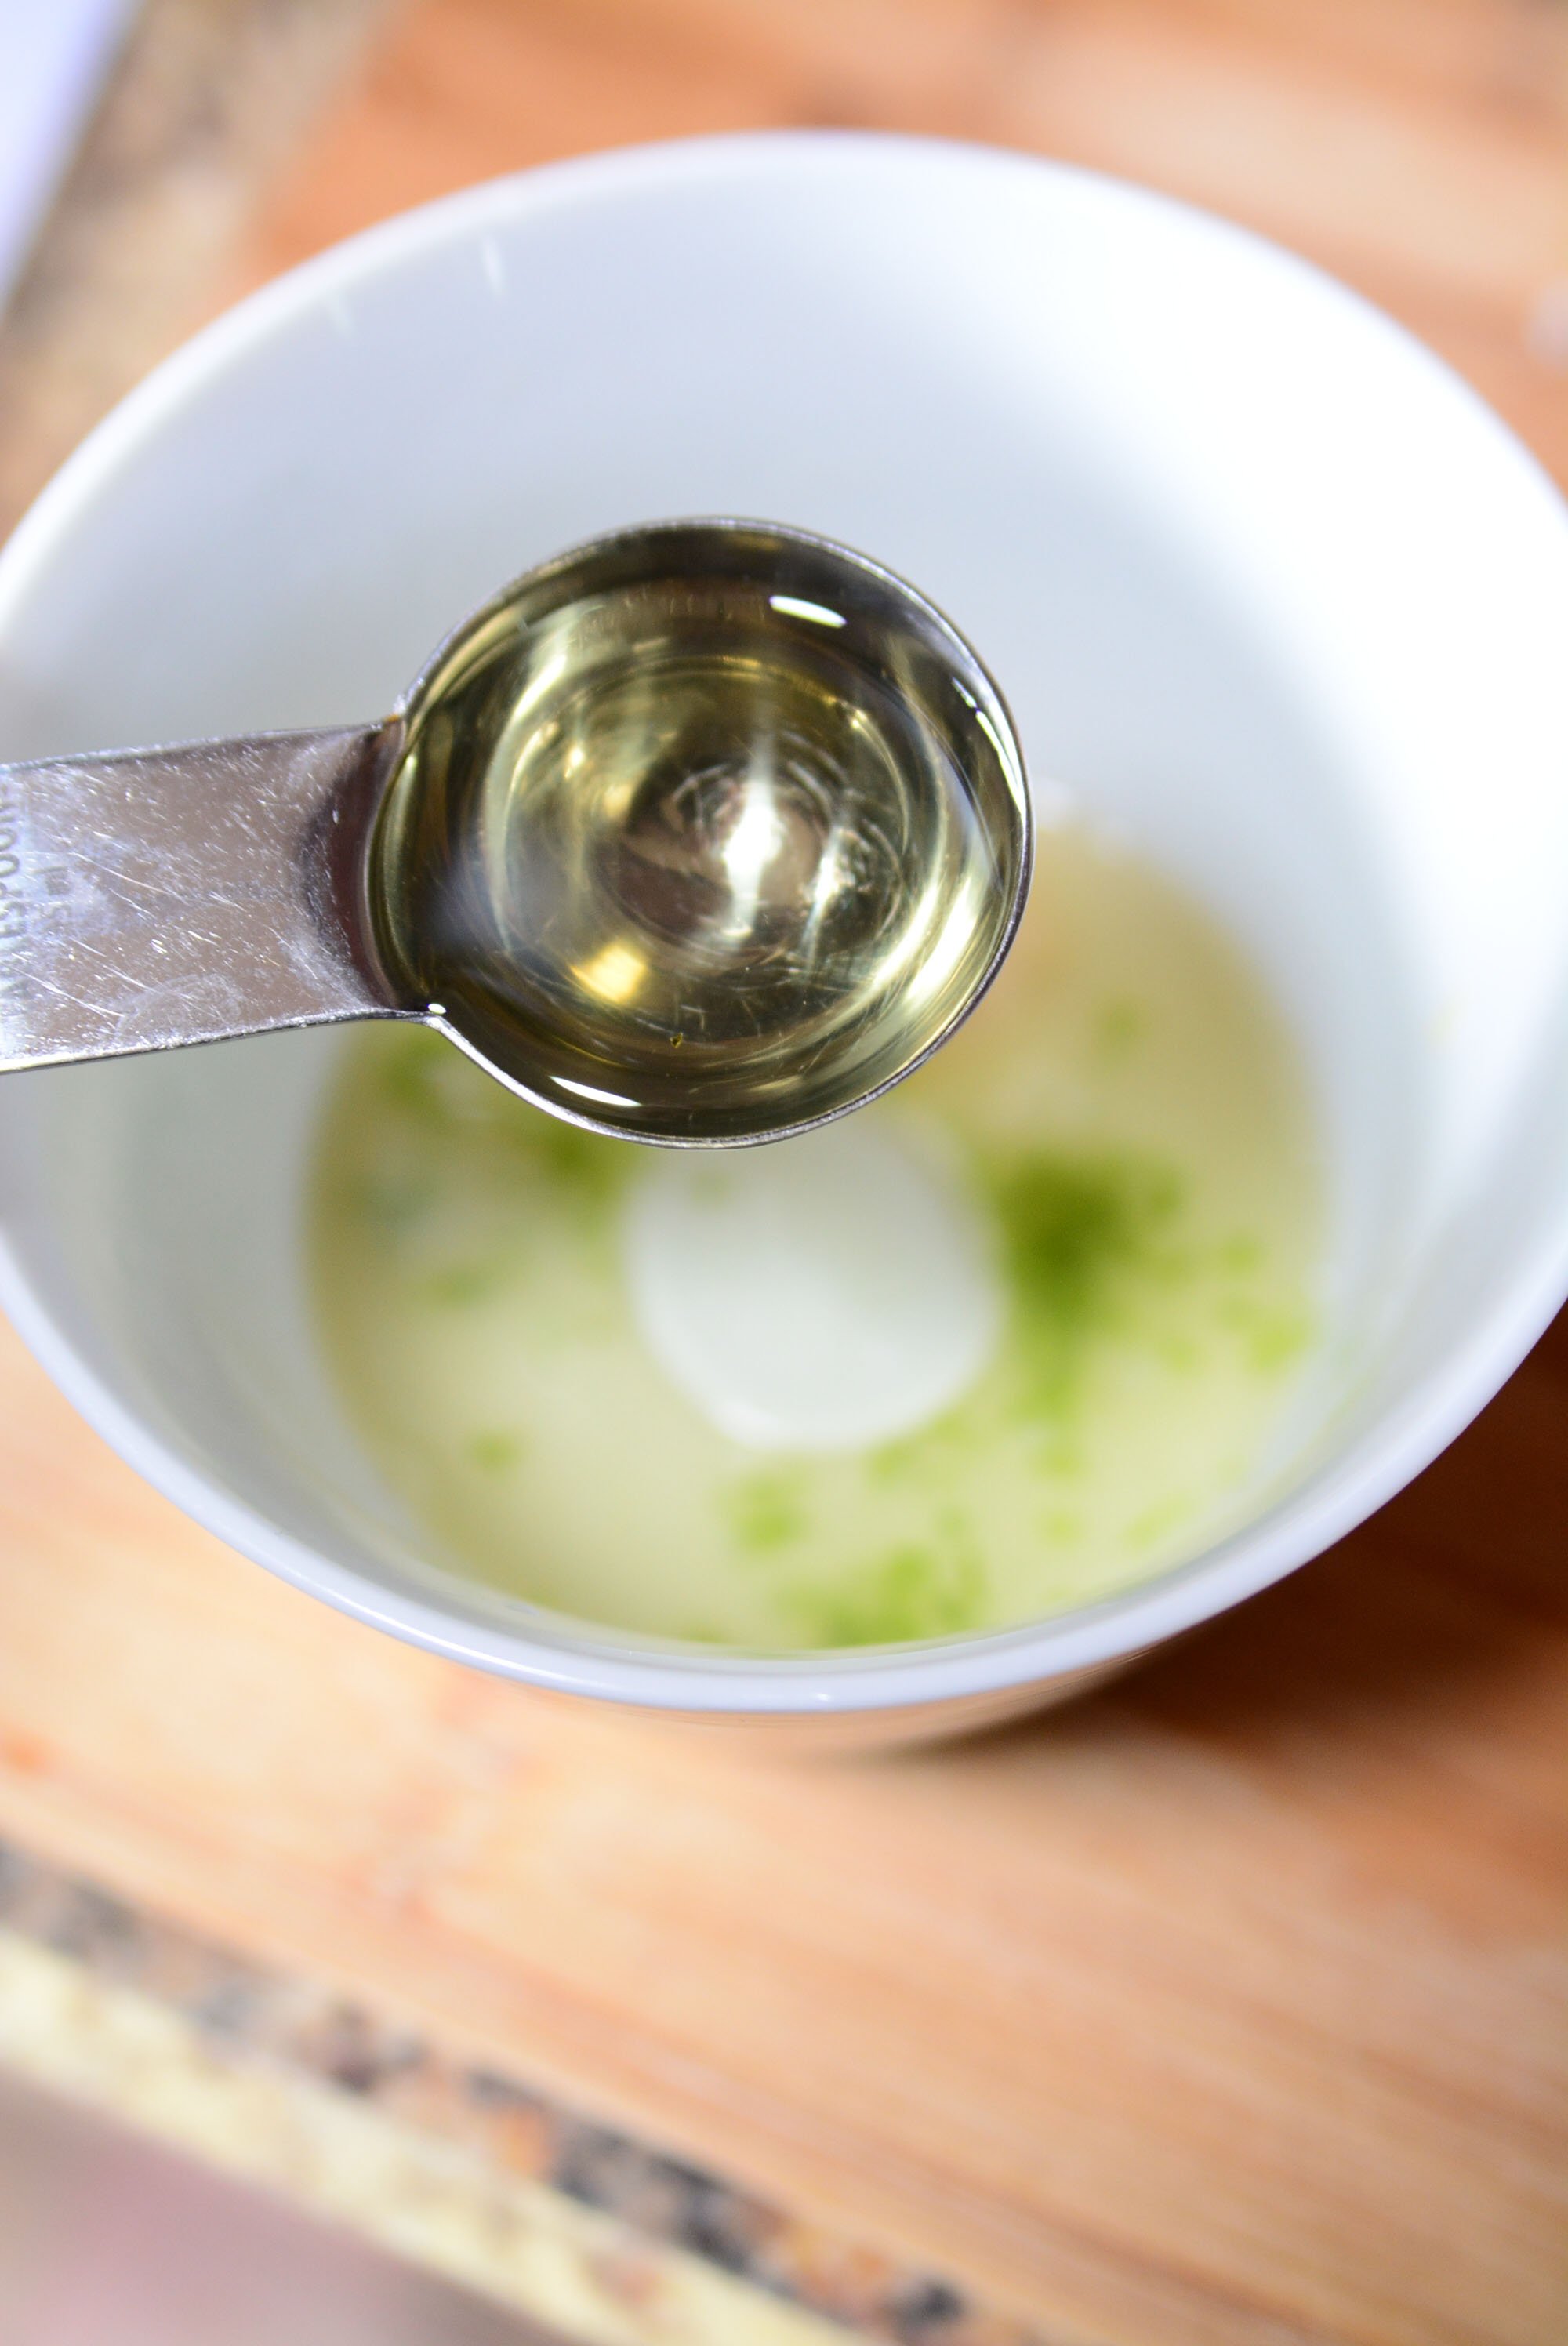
(918, 1590)
(1063, 1461)
(413, 1069)
(934, 1455)
(1273, 1335)
(388, 1201)
(1072, 1230)
(464, 1283)
(1118, 1028)
(766, 1510)
(494, 1450)
(1167, 1515)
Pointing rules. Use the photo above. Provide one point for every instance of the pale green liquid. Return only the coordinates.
(1127, 1115)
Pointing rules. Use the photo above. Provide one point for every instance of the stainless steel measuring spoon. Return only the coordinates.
(702, 833)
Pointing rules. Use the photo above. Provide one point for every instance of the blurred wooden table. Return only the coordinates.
(1228, 2009)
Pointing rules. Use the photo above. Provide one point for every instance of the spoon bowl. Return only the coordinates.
(701, 833)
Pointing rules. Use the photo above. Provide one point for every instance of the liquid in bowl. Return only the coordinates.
(1021, 1334)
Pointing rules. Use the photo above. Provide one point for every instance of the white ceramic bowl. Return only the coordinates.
(1264, 583)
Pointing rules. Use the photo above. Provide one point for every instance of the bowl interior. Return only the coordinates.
(1266, 590)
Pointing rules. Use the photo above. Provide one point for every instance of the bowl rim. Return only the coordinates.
(1330, 1502)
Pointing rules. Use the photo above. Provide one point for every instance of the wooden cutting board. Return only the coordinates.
(1228, 2008)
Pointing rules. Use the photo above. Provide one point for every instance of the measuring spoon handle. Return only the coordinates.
(153, 897)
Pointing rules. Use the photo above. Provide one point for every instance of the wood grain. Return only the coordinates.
(208, 99)
(1226, 2009)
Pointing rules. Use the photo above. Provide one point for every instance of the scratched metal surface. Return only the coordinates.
(155, 897)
